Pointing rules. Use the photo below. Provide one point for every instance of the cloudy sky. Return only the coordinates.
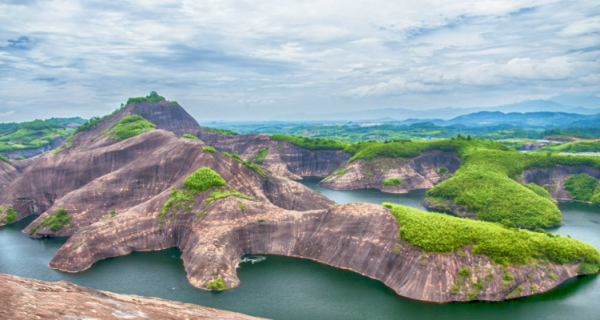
(248, 60)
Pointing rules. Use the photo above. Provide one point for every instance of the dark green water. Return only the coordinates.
(289, 288)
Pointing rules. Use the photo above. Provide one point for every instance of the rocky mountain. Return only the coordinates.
(153, 189)
(24, 299)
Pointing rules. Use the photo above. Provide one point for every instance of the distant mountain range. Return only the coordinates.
(584, 105)
(529, 119)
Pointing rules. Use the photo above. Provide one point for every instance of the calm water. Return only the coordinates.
(289, 288)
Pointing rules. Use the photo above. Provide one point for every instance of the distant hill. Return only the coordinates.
(402, 114)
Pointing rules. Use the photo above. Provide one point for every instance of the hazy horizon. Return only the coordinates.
(238, 60)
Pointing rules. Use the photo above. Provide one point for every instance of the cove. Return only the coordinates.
(291, 288)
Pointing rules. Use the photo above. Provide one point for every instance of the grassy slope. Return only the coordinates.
(442, 233)
(570, 147)
(31, 135)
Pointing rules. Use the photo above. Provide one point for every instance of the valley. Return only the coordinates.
(148, 178)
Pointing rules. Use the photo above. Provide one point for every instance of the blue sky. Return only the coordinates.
(249, 60)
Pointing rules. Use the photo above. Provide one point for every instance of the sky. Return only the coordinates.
(252, 60)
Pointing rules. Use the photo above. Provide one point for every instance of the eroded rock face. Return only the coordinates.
(7, 174)
(554, 178)
(283, 159)
(26, 299)
(165, 115)
(134, 178)
(422, 172)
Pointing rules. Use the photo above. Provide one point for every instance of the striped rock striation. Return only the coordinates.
(115, 193)
(422, 172)
(25, 299)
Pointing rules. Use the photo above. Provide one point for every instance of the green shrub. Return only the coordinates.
(581, 186)
(11, 215)
(220, 194)
(435, 232)
(5, 159)
(248, 164)
(540, 191)
(202, 180)
(495, 197)
(242, 206)
(260, 155)
(442, 170)
(90, 124)
(57, 220)
(152, 97)
(216, 285)
(221, 131)
(311, 144)
(552, 276)
(392, 182)
(189, 136)
(209, 149)
(20, 158)
(131, 126)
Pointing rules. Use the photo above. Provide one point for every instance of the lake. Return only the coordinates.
(290, 288)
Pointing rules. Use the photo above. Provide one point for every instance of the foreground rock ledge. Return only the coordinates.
(24, 298)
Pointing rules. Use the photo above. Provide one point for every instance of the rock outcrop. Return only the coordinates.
(114, 194)
(25, 299)
(422, 172)
(7, 174)
(283, 158)
(168, 116)
(553, 178)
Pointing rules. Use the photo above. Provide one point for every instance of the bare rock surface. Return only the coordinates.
(24, 298)
(134, 178)
(283, 159)
(554, 178)
(422, 172)
(7, 174)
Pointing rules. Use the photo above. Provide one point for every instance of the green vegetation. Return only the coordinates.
(20, 158)
(5, 159)
(260, 155)
(216, 285)
(89, 125)
(56, 220)
(552, 276)
(242, 206)
(152, 97)
(202, 180)
(220, 194)
(392, 182)
(178, 197)
(434, 232)
(189, 136)
(248, 164)
(222, 131)
(311, 144)
(209, 149)
(442, 170)
(581, 187)
(570, 147)
(11, 215)
(514, 293)
(338, 172)
(130, 126)
(30, 135)
(111, 214)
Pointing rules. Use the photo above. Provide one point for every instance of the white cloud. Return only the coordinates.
(85, 57)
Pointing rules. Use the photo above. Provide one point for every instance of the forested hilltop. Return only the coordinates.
(25, 139)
